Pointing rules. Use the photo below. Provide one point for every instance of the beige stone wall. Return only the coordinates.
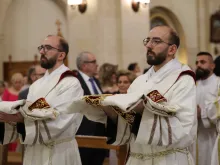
(109, 28)
(185, 12)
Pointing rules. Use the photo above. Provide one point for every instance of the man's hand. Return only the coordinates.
(198, 112)
(8, 118)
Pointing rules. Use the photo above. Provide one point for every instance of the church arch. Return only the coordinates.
(163, 16)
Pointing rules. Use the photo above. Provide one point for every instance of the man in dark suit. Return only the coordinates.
(87, 69)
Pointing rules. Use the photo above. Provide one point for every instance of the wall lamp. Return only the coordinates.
(82, 5)
(135, 4)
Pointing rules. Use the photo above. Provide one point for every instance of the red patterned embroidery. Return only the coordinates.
(155, 96)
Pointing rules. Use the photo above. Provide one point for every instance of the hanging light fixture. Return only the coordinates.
(135, 4)
(82, 5)
(74, 2)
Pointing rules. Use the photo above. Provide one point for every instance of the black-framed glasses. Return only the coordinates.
(47, 48)
(93, 61)
(154, 41)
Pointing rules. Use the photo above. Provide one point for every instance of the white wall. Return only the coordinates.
(134, 27)
(111, 30)
(185, 11)
(27, 23)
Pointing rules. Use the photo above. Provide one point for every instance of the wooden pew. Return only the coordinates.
(15, 158)
(100, 142)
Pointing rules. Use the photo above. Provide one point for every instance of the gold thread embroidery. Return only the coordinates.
(39, 104)
(159, 154)
(95, 100)
(129, 117)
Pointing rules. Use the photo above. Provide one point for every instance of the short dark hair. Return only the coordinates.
(31, 70)
(204, 54)
(217, 66)
(174, 38)
(132, 66)
(64, 46)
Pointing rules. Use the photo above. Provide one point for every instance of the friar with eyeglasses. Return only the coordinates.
(48, 135)
(157, 116)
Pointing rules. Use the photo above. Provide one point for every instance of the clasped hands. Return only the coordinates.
(13, 118)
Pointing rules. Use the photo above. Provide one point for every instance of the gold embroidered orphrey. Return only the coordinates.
(39, 104)
(95, 100)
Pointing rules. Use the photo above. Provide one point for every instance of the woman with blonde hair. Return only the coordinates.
(124, 80)
(11, 94)
(107, 78)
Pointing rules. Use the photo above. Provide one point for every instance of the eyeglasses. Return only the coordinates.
(47, 48)
(94, 61)
(154, 41)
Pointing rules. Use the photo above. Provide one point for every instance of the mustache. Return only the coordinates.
(200, 69)
(150, 51)
(43, 57)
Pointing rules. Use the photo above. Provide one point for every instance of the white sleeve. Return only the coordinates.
(209, 114)
(46, 130)
(163, 131)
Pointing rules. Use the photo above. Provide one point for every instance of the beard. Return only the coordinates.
(47, 63)
(156, 59)
(202, 73)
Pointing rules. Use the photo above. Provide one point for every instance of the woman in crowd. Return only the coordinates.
(107, 78)
(11, 94)
(124, 80)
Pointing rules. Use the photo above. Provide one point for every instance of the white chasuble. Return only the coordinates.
(51, 140)
(213, 113)
(207, 91)
(168, 125)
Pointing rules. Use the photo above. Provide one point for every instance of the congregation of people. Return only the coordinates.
(185, 133)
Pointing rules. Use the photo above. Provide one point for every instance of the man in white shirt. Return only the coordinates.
(207, 91)
(48, 141)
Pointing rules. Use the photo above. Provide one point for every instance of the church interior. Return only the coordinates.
(113, 30)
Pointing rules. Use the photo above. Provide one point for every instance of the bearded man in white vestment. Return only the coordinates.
(162, 124)
(49, 141)
(207, 91)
